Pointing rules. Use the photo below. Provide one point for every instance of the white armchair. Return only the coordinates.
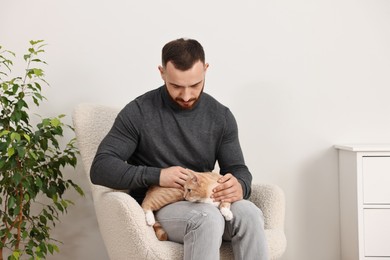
(122, 221)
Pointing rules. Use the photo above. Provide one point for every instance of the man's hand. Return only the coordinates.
(173, 177)
(229, 190)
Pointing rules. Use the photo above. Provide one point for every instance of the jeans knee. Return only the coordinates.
(248, 214)
(207, 221)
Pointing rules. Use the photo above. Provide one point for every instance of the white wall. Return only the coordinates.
(300, 76)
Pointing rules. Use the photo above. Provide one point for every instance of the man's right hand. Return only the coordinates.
(173, 177)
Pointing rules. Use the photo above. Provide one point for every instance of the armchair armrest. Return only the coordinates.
(270, 199)
(124, 229)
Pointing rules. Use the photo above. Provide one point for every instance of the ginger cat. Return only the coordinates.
(198, 188)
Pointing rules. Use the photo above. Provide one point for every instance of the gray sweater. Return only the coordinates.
(152, 132)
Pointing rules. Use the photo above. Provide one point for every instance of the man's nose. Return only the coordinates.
(186, 94)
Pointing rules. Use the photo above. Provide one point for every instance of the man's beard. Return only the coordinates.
(195, 100)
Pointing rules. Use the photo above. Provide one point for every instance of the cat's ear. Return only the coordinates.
(190, 173)
(194, 178)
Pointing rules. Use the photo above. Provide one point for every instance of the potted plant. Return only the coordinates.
(32, 161)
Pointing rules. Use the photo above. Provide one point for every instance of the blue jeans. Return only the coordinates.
(201, 228)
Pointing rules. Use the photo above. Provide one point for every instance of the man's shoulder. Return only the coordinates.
(213, 105)
(149, 96)
(142, 104)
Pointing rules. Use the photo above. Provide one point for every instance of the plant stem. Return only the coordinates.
(27, 68)
(20, 217)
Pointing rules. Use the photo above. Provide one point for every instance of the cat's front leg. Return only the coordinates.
(224, 207)
(150, 220)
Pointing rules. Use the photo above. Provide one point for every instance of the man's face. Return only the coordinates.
(184, 87)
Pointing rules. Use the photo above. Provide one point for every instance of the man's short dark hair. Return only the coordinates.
(183, 53)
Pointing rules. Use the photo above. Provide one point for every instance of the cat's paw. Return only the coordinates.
(150, 217)
(227, 213)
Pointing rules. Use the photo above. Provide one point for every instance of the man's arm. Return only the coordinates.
(236, 184)
(109, 167)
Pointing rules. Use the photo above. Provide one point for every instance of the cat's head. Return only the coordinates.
(197, 188)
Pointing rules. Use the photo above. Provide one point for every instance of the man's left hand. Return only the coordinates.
(229, 190)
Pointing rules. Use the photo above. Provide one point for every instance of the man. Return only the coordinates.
(160, 134)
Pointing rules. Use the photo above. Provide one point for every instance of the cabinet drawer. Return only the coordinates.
(377, 232)
(376, 180)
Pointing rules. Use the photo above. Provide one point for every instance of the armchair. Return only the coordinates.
(122, 221)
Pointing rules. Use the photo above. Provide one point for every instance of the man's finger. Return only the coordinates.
(225, 178)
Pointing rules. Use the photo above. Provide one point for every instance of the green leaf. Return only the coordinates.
(50, 248)
(21, 103)
(64, 203)
(46, 122)
(32, 42)
(27, 57)
(53, 248)
(4, 132)
(17, 177)
(10, 151)
(16, 210)
(38, 72)
(15, 88)
(2, 163)
(33, 155)
(24, 234)
(38, 86)
(42, 219)
(55, 122)
(16, 254)
(15, 136)
(79, 190)
(5, 86)
(11, 202)
(55, 198)
(27, 137)
(21, 151)
(36, 101)
(59, 206)
(38, 182)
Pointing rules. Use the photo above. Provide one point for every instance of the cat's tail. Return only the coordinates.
(160, 232)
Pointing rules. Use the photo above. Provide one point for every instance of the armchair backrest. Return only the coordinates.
(92, 122)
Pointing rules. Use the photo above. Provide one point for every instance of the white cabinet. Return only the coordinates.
(364, 175)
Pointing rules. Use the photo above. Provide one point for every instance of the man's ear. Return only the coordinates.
(206, 66)
(162, 72)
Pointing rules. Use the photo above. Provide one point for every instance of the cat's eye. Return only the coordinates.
(188, 190)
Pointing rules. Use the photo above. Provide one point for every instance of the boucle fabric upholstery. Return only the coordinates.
(122, 221)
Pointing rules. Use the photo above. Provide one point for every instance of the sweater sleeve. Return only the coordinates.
(230, 157)
(109, 167)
